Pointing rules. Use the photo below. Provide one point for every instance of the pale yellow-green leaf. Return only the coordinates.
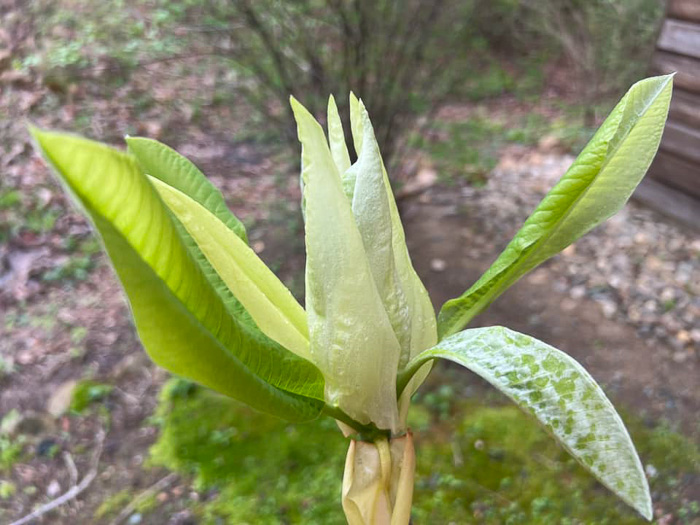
(336, 138)
(370, 207)
(405, 298)
(356, 123)
(269, 302)
(182, 321)
(352, 340)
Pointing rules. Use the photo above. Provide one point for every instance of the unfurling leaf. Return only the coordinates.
(352, 340)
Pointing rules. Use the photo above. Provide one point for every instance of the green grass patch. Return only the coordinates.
(476, 463)
(469, 150)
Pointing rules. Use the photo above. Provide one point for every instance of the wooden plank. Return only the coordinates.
(672, 203)
(682, 141)
(688, 70)
(684, 10)
(676, 173)
(680, 37)
(685, 108)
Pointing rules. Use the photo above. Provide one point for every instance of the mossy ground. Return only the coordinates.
(477, 463)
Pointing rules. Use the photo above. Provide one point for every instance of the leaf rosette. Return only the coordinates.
(207, 308)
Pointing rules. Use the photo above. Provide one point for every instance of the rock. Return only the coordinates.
(680, 356)
(569, 251)
(650, 306)
(538, 277)
(615, 281)
(651, 471)
(438, 265)
(683, 337)
(577, 292)
(54, 489)
(609, 308)
(667, 294)
(59, 402)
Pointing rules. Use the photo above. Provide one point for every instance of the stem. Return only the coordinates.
(407, 373)
(365, 432)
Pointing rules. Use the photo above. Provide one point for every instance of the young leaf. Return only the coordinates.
(595, 187)
(352, 340)
(356, 123)
(405, 298)
(336, 138)
(370, 207)
(553, 387)
(269, 302)
(164, 163)
(182, 321)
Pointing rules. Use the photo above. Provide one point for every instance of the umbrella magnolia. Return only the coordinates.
(207, 308)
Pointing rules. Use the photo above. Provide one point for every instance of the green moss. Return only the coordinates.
(10, 451)
(7, 489)
(491, 465)
(264, 470)
(113, 504)
(511, 471)
(87, 392)
(146, 504)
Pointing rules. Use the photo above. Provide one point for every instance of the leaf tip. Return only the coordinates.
(298, 108)
(645, 507)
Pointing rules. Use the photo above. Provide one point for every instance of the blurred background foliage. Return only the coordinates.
(404, 58)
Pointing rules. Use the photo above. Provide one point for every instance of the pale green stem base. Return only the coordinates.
(378, 481)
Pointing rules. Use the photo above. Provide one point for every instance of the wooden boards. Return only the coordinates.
(677, 164)
(688, 10)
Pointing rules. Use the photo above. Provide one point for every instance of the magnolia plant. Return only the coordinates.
(207, 308)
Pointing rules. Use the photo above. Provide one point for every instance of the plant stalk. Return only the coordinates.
(364, 432)
(378, 481)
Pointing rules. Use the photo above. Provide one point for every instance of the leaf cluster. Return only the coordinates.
(207, 308)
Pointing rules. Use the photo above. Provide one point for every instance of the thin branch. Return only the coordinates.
(72, 470)
(74, 491)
